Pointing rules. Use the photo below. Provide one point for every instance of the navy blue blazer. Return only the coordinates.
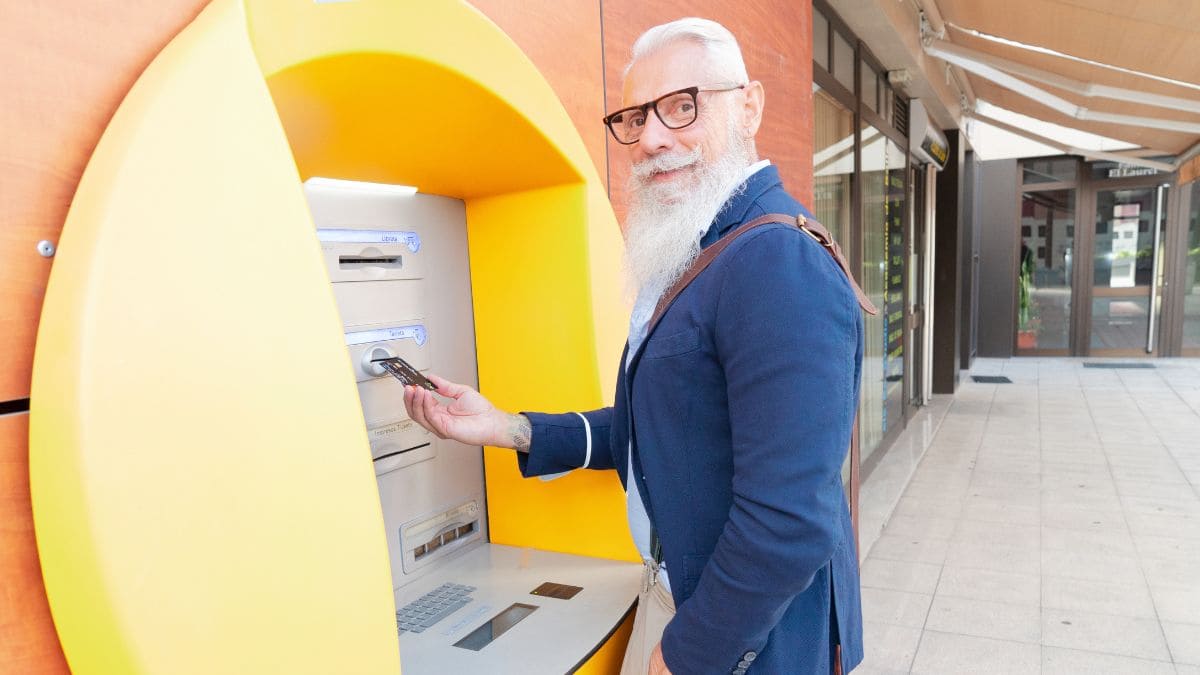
(739, 406)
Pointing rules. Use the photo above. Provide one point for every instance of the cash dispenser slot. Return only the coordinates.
(435, 536)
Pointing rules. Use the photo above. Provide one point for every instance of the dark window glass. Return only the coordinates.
(870, 86)
(843, 61)
(1044, 275)
(1049, 170)
(820, 40)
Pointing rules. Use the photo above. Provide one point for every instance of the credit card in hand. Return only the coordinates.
(402, 370)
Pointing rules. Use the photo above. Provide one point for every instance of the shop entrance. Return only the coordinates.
(1101, 270)
(1128, 265)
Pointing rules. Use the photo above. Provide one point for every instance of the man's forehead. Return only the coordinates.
(675, 66)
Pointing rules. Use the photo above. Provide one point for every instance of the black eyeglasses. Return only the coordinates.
(675, 110)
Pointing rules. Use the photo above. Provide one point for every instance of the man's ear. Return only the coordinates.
(753, 109)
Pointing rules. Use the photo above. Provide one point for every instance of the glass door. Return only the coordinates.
(1190, 280)
(1045, 272)
(1127, 264)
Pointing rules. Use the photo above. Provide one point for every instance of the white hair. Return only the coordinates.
(724, 54)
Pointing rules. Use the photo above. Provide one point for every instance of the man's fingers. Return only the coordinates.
(417, 408)
(434, 417)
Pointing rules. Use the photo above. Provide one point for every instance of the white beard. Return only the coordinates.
(666, 221)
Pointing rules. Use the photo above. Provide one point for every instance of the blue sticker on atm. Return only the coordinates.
(415, 332)
(410, 239)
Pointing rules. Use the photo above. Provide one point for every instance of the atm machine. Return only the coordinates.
(222, 480)
(398, 265)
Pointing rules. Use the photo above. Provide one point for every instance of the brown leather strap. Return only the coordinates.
(809, 226)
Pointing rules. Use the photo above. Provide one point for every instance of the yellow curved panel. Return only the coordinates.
(203, 494)
(202, 490)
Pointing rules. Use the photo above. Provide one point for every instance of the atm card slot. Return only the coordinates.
(359, 262)
(379, 261)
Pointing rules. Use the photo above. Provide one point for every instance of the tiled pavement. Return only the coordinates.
(1052, 526)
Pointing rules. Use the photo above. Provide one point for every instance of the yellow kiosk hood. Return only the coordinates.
(202, 488)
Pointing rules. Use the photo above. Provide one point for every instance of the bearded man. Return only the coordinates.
(732, 417)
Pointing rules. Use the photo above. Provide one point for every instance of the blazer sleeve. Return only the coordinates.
(566, 441)
(787, 334)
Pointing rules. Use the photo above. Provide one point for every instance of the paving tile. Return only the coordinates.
(1148, 474)
(1084, 519)
(898, 575)
(1085, 564)
(984, 618)
(1153, 524)
(1103, 542)
(889, 649)
(1175, 603)
(937, 508)
(910, 548)
(1000, 511)
(1137, 488)
(1059, 496)
(947, 653)
(1167, 548)
(1164, 506)
(1008, 468)
(934, 528)
(1183, 573)
(1011, 479)
(1130, 599)
(897, 608)
(992, 585)
(1020, 496)
(994, 556)
(1140, 638)
(1059, 661)
(980, 532)
(1184, 641)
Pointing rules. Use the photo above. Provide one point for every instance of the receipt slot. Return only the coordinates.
(297, 521)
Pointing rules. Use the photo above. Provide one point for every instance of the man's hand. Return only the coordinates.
(657, 665)
(468, 418)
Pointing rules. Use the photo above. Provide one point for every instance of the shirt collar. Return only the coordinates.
(760, 177)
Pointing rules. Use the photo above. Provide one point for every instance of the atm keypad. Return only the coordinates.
(432, 607)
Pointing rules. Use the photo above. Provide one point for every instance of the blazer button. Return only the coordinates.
(743, 664)
(750, 656)
(739, 671)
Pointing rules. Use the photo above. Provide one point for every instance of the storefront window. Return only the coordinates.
(833, 163)
(1044, 271)
(1061, 170)
(883, 175)
(1191, 279)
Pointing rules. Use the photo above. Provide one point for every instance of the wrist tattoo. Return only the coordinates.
(519, 432)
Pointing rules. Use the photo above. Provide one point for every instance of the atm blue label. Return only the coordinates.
(415, 332)
(410, 239)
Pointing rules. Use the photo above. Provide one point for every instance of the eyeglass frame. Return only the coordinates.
(653, 105)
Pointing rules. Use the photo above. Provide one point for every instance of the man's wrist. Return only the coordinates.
(517, 432)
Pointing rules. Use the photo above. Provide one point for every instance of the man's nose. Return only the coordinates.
(656, 136)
